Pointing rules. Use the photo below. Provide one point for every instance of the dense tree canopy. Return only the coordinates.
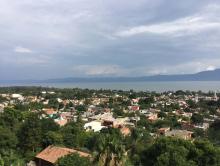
(214, 132)
(168, 151)
(74, 160)
(197, 118)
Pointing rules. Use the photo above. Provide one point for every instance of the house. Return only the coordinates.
(67, 115)
(4, 95)
(149, 111)
(50, 155)
(163, 130)
(203, 126)
(2, 107)
(101, 117)
(91, 108)
(61, 121)
(187, 114)
(152, 117)
(59, 100)
(144, 111)
(125, 131)
(49, 111)
(135, 119)
(95, 126)
(17, 96)
(120, 122)
(134, 101)
(187, 125)
(109, 121)
(45, 102)
(96, 101)
(134, 108)
(51, 93)
(182, 134)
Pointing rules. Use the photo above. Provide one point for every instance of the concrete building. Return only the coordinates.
(182, 134)
(95, 126)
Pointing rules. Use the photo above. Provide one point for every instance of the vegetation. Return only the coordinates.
(24, 132)
(73, 160)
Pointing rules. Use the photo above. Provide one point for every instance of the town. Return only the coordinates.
(50, 126)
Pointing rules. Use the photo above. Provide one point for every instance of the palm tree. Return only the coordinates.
(111, 151)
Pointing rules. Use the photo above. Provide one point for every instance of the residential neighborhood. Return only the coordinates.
(176, 115)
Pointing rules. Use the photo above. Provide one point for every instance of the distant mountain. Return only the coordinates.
(201, 76)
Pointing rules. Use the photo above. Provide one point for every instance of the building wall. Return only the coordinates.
(40, 162)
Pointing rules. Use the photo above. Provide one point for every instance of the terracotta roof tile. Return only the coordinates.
(53, 153)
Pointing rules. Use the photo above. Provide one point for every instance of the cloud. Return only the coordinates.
(33, 60)
(210, 68)
(187, 67)
(195, 66)
(23, 60)
(20, 49)
(123, 38)
(95, 70)
(180, 27)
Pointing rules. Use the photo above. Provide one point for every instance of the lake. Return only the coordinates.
(137, 86)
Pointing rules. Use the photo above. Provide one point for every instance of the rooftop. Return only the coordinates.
(53, 153)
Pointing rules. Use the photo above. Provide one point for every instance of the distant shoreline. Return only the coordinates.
(158, 86)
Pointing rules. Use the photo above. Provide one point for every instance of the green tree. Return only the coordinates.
(2, 163)
(146, 102)
(118, 112)
(53, 103)
(48, 125)
(110, 149)
(166, 151)
(192, 104)
(198, 133)
(207, 154)
(139, 140)
(197, 118)
(8, 139)
(73, 160)
(74, 135)
(80, 108)
(8, 144)
(30, 134)
(172, 151)
(52, 138)
(214, 132)
(173, 158)
(11, 119)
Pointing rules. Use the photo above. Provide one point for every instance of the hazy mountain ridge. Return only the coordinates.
(201, 76)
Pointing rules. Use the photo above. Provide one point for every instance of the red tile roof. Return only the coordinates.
(49, 111)
(53, 153)
(125, 131)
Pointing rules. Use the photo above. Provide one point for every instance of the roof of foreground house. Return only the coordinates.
(53, 153)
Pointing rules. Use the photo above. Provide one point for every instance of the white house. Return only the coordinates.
(1, 107)
(17, 96)
(203, 126)
(93, 126)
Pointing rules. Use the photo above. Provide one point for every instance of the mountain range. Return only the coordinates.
(213, 75)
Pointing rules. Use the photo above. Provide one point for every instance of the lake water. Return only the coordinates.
(137, 86)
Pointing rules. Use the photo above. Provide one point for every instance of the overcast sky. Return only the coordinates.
(66, 38)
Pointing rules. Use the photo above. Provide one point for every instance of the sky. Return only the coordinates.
(42, 39)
